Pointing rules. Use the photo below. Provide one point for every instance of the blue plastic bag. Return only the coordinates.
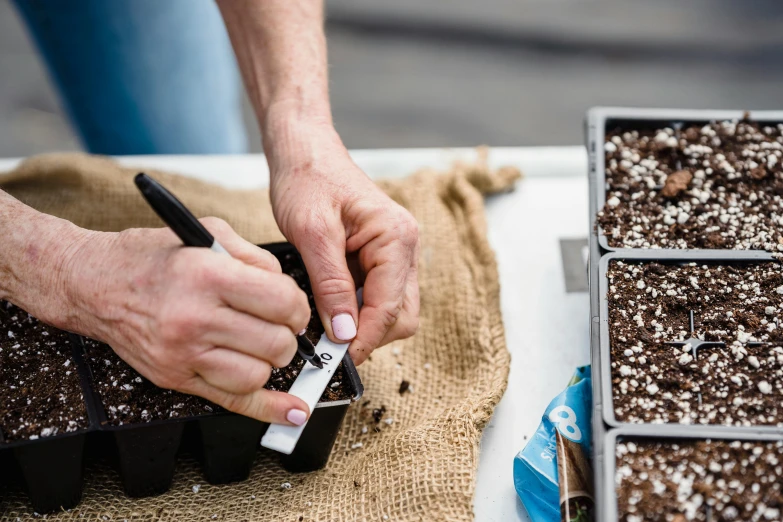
(536, 466)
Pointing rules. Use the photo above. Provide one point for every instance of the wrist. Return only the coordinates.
(41, 248)
(74, 279)
(293, 138)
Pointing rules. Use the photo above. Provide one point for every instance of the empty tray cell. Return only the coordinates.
(681, 185)
(696, 343)
(704, 480)
(40, 390)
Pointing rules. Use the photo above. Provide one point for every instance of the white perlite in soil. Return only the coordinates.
(725, 187)
(700, 480)
(40, 391)
(739, 383)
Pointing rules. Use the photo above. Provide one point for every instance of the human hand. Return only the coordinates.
(190, 319)
(329, 209)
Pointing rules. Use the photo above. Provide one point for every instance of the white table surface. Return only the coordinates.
(546, 328)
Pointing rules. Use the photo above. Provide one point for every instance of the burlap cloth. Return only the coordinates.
(422, 466)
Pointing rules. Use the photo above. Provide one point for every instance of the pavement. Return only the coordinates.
(423, 73)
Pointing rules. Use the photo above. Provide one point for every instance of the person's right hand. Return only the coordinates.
(190, 319)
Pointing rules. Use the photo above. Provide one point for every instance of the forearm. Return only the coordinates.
(281, 50)
(34, 259)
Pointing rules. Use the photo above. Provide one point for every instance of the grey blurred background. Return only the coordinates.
(424, 73)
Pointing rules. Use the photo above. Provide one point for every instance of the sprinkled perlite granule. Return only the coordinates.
(701, 480)
(738, 383)
(718, 186)
(40, 392)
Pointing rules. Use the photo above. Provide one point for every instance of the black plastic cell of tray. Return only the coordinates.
(50, 467)
(146, 453)
(227, 443)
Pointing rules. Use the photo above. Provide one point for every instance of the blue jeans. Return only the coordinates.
(142, 76)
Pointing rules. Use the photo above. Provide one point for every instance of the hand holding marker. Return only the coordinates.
(313, 378)
(193, 234)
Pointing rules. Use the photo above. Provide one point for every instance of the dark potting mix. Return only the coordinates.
(282, 378)
(696, 343)
(717, 186)
(702, 480)
(128, 397)
(40, 391)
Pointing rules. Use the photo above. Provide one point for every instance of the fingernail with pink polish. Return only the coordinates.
(343, 327)
(296, 417)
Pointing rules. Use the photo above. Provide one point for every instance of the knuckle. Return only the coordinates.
(281, 347)
(302, 318)
(334, 286)
(315, 225)
(407, 229)
(190, 266)
(215, 224)
(409, 326)
(164, 377)
(210, 275)
(270, 261)
(293, 299)
(263, 372)
(178, 327)
(254, 378)
(236, 403)
(389, 312)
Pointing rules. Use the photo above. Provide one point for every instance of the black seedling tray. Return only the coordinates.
(50, 467)
(146, 453)
(596, 123)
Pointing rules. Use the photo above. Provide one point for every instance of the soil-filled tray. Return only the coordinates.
(148, 424)
(692, 342)
(43, 414)
(683, 478)
(670, 179)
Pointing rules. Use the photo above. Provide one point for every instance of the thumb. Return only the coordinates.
(333, 286)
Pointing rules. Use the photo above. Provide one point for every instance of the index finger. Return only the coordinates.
(239, 248)
(383, 294)
(271, 296)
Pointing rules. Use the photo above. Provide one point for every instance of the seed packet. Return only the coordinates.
(552, 474)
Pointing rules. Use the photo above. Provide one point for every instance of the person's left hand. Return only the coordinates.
(336, 217)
